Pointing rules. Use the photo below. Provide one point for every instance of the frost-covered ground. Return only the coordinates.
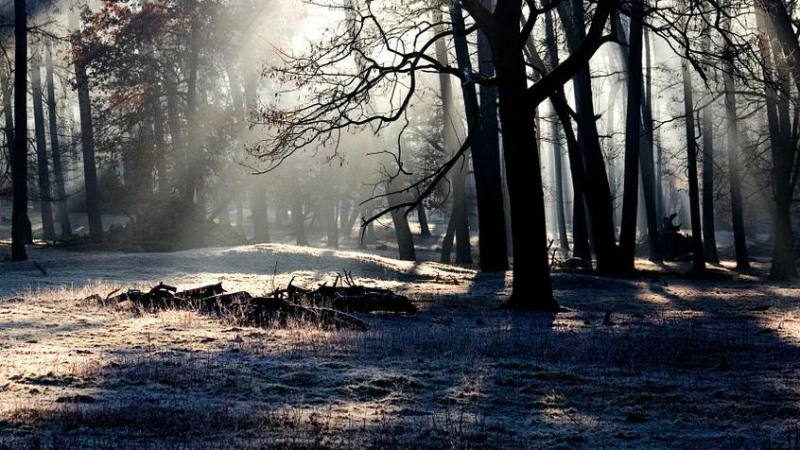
(685, 364)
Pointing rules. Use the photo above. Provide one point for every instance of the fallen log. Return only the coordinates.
(202, 292)
(328, 307)
(349, 298)
(374, 302)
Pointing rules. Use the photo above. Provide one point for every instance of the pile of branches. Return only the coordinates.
(330, 307)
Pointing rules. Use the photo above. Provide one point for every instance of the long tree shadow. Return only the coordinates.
(686, 372)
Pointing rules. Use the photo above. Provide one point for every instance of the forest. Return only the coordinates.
(427, 224)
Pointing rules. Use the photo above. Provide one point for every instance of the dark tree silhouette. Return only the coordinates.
(19, 160)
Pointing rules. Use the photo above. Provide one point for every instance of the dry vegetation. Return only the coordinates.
(678, 364)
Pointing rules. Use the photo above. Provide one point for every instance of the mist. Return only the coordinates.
(339, 224)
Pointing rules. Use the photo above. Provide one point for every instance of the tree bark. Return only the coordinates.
(19, 162)
(194, 149)
(737, 208)
(43, 178)
(580, 233)
(422, 217)
(627, 239)
(92, 189)
(709, 234)
(558, 201)
(405, 239)
(492, 242)
(55, 146)
(597, 190)
(650, 217)
(531, 260)
(558, 182)
(647, 159)
(698, 257)
(784, 156)
(160, 146)
(453, 134)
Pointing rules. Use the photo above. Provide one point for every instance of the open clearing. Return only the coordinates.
(683, 364)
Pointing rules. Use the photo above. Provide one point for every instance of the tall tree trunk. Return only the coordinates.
(453, 134)
(580, 230)
(784, 156)
(558, 202)
(45, 189)
(627, 239)
(19, 162)
(194, 153)
(529, 234)
(176, 132)
(650, 217)
(492, 242)
(87, 145)
(597, 190)
(160, 142)
(698, 258)
(647, 160)
(737, 208)
(709, 234)
(8, 113)
(55, 146)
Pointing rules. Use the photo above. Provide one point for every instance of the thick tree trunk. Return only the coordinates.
(492, 242)
(698, 257)
(19, 162)
(87, 145)
(55, 146)
(531, 261)
(627, 239)
(784, 256)
(405, 239)
(45, 189)
(448, 240)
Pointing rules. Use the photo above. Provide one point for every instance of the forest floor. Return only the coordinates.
(683, 363)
